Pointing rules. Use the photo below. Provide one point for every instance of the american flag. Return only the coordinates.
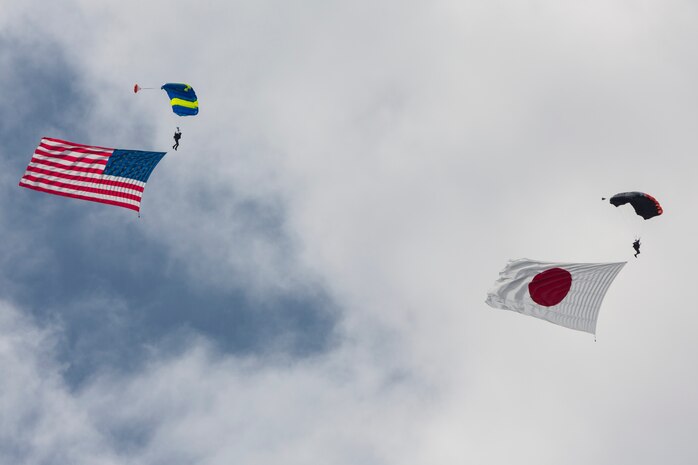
(99, 174)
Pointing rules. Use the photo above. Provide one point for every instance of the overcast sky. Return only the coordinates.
(306, 282)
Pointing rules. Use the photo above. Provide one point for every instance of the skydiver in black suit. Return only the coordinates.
(177, 136)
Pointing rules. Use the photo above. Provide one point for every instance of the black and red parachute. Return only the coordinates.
(644, 204)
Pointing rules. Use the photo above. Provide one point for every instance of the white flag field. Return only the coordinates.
(566, 294)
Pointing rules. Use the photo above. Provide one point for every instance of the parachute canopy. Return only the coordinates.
(644, 204)
(182, 98)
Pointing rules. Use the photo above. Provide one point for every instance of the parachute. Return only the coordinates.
(644, 204)
(182, 98)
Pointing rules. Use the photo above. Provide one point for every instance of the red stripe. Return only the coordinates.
(105, 182)
(93, 190)
(660, 210)
(71, 158)
(75, 149)
(82, 197)
(53, 164)
(75, 144)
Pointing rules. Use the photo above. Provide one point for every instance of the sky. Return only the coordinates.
(306, 282)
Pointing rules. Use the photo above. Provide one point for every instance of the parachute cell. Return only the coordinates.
(644, 204)
(182, 98)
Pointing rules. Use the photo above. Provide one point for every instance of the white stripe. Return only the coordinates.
(71, 146)
(128, 180)
(68, 163)
(82, 193)
(65, 153)
(133, 182)
(60, 170)
(79, 184)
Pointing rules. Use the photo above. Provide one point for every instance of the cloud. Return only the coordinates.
(199, 406)
(42, 421)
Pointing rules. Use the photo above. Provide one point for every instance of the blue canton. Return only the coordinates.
(132, 164)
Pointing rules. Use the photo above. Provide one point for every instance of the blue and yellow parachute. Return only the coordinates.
(182, 98)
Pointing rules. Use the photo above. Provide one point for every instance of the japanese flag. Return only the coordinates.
(567, 294)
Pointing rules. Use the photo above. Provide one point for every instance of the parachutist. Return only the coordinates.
(177, 136)
(636, 246)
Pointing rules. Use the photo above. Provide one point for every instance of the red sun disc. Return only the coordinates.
(550, 287)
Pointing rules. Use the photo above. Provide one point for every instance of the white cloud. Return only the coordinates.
(203, 408)
(42, 421)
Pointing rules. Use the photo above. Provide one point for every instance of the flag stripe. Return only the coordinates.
(81, 197)
(66, 156)
(83, 180)
(65, 143)
(74, 167)
(93, 174)
(72, 150)
(80, 187)
(134, 182)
